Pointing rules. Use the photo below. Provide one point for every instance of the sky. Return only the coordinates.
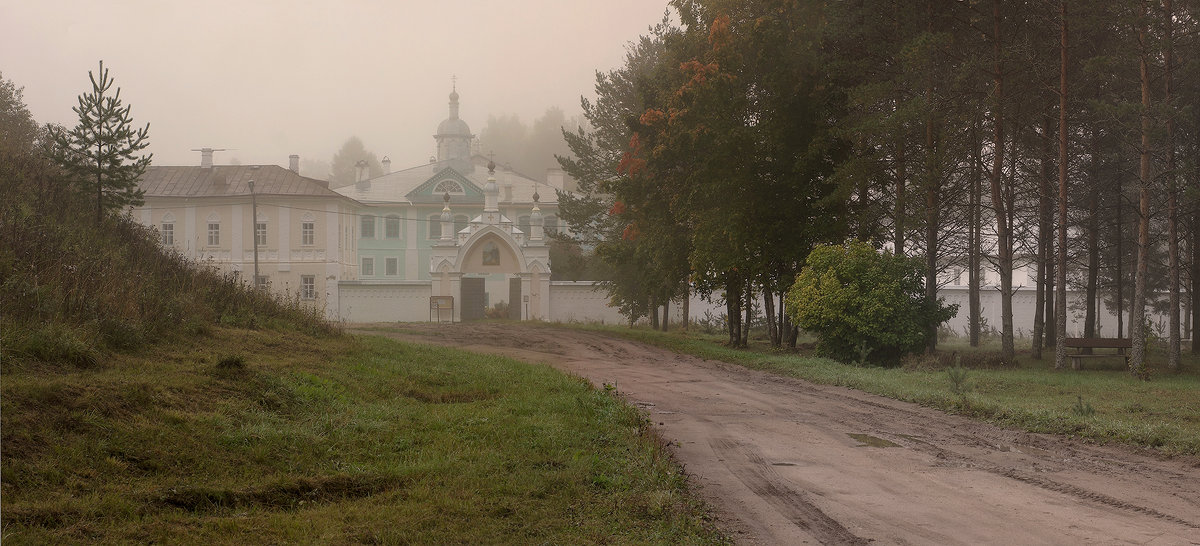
(270, 78)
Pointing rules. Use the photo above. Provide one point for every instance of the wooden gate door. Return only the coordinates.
(515, 305)
(472, 298)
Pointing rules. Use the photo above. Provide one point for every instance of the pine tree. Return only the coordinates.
(100, 151)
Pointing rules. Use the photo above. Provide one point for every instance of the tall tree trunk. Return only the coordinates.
(687, 305)
(1120, 265)
(1173, 341)
(1093, 241)
(733, 310)
(100, 183)
(666, 318)
(933, 182)
(1060, 317)
(1003, 237)
(749, 308)
(974, 245)
(1049, 339)
(769, 311)
(1039, 299)
(653, 315)
(790, 331)
(898, 215)
(1196, 262)
(1044, 310)
(932, 220)
(1137, 315)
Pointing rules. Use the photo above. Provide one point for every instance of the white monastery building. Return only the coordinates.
(452, 239)
(303, 231)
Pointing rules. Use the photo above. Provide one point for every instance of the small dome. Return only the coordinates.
(454, 95)
(453, 127)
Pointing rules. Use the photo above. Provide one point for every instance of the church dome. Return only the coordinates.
(453, 127)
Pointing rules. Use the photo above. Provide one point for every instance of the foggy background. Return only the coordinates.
(273, 78)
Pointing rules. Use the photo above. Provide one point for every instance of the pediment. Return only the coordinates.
(432, 189)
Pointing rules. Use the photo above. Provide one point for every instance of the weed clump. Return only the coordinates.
(1081, 408)
(231, 362)
(56, 343)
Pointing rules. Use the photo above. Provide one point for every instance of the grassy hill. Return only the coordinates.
(149, 399)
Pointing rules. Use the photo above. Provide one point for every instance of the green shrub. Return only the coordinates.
(864, 305)
(60, 344)
(120, 335)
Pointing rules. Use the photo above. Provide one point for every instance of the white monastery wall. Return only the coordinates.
(585, 301)
(581, 301)
(379, 302)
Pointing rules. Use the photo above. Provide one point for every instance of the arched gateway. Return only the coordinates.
(492, 261)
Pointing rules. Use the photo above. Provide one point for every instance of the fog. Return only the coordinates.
(266, 79)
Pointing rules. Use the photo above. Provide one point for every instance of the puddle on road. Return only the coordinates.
(871, 441)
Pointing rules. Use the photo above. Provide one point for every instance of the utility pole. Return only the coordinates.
(254, 215)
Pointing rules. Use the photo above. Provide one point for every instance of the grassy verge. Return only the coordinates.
(1102, 403)
(242, 436)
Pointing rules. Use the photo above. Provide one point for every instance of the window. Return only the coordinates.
(168, 234)
(308, 287)
(260, 233)
(523, 224)
(435, 226)
(447, 186)
(551, 223)
(306, 233)
(368, 267)
(368, 227)
(460, 223)
(214, 233)
(392, 266)
(391, 227)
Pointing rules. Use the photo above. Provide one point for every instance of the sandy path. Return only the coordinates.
(776, 458)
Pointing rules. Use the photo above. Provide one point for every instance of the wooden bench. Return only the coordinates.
(1081, 343)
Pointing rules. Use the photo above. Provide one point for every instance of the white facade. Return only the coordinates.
(303, 231)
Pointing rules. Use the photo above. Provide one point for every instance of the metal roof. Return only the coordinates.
(398, 186)
(229, 180)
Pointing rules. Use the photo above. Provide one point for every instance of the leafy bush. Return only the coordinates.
(58, 343)
(864, 305)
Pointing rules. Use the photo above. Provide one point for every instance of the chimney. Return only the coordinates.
(387, 165)
(206, 158)
(294, 163)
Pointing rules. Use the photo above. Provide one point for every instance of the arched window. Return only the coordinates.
(551, 223)
(447, 186)
(523, 224)
(460, 222)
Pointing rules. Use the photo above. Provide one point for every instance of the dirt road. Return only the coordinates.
(784, 461)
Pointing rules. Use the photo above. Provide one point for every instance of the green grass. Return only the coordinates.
(1163, 413)
(247, 436)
